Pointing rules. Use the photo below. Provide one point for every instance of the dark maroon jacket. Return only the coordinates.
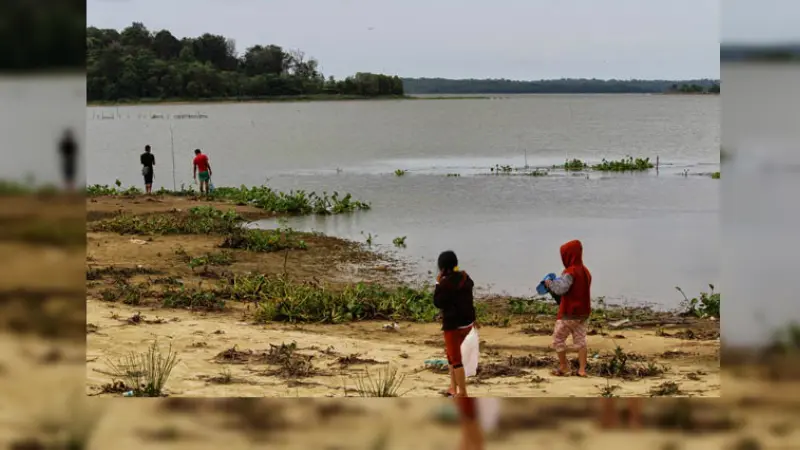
(453, 295)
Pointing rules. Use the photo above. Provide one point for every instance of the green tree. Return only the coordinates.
(139, 64)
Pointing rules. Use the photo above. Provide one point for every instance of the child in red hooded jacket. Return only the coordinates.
(573, 313)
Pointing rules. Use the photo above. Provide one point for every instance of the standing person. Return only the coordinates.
(202, 165)
(453, 295)
(148, 160)
(575, 308)
(609, 419)
(68, 149)
(471, 432)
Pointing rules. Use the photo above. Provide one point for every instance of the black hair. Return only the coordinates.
(447, 261)
(197, 151)
(147, 148)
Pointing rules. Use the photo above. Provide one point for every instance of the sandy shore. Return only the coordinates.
(43, 371)
(224, 354)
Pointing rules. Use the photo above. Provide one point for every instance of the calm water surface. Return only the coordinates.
(644, 234)
(760, 202)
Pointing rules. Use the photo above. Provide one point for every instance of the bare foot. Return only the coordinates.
(560, 373)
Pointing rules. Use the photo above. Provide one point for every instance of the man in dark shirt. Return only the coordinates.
(148, 161)
(69, 154)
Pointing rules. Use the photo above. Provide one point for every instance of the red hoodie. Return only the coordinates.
(576, 303)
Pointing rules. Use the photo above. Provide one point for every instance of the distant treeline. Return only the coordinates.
(766, 53)
(42, 35)
(562, 86)
(137, 64)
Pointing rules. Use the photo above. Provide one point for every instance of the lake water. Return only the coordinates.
(643, 234)
(761, 208)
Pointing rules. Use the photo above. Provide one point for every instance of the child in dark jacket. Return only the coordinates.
(575, 308)
(453, 295)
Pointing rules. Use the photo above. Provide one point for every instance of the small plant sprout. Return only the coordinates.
(370, 239)
(399, 242)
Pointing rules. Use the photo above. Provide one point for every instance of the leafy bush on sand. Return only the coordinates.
(706, 305)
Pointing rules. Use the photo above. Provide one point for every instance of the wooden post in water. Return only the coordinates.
(656, 164)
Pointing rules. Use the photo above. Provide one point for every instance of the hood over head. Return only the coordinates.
(572, 253)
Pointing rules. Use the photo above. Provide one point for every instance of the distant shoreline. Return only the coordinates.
(334, 98)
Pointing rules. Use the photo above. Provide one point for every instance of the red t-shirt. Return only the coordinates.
(201, 161)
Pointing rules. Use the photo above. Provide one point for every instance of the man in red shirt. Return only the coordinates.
(201, 164)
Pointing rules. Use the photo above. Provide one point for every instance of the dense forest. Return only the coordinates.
(565, 86)
(42, 35)
(764, 53)
(137, 64)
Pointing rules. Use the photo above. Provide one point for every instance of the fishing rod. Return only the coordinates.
(172, 149)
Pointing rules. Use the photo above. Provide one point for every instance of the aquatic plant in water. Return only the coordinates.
(628, 164)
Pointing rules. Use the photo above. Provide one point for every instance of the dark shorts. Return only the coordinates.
(452, 345)
(148, 176)
(68, 169)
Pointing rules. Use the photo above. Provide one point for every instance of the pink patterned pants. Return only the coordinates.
(565, 328)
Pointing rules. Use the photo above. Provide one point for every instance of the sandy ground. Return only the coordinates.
(45, 405)
(42, 387)
(516, 359)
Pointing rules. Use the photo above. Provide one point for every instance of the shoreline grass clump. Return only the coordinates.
(282, 300)
(386, 383)
(294, 202)
(145, 374)
(264, 241)
(627, 164)
(715, 176)
(704, 306)
(206, 220)
(199, 220)
(621, 365)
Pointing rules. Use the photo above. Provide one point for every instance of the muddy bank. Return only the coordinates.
(337, 316)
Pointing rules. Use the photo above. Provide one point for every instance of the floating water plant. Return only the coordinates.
(628, 164)
(498, 169)
(575, 165)
(400, 172)
(399, 242)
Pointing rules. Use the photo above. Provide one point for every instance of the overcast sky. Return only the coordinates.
(516, 39)
(760, 21)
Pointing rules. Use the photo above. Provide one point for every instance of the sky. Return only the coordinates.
(760, 21)
(513, 39)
